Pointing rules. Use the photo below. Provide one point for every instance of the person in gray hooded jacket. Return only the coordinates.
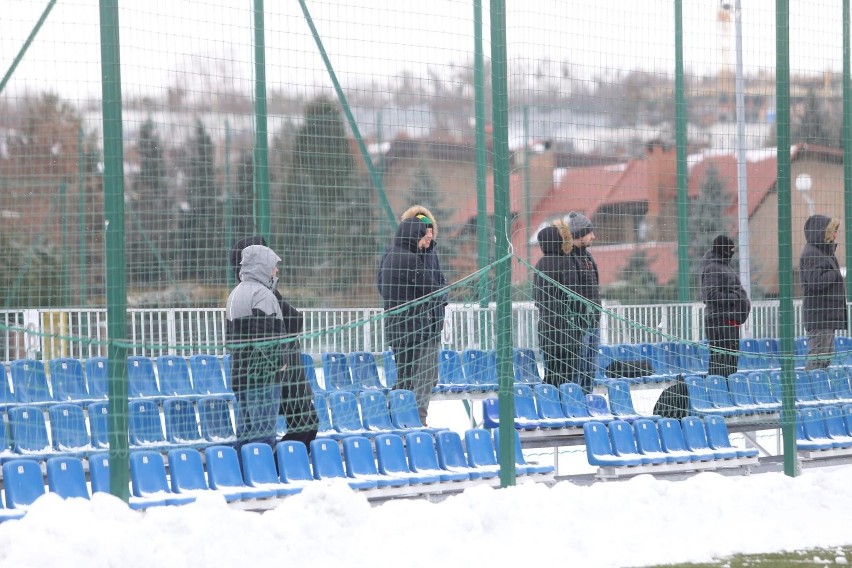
(254, 322)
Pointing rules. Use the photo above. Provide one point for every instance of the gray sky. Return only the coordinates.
(167, 42)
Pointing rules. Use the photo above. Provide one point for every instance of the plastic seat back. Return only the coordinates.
(98, 413)
(323, 415)
(214, 419)
(358, 456)
(375, 413)
(480, 448)
(525, 366)
(364, 370)
(804, 393)
(144, 423)
(671, 356)
(97, 376)
(224, 474)
(771, 352)
(573, 400)
(99, 472)
(821, 385)
(345, 415)
(739, 391)
(692, 358)
(450, 450)
(525, 403)
(479, 369)
(147, 473)
(698, 395)
(29, 382)
(173, 374)
(258, 463)
(598, 407)
(67, 380)
(694, 434)
(22, 482)
(294, 465)
(800, 350)
(207, 375)
(186, 470)
(834, 425)
(326, 460)
(751, 355)
(335, 370)
(68, 430)
(389, 368)
(761, 389)
(839, 383)
(66, 477)
(28, 429)
(141, 380)
(717, 389)
(180, 421)
(598, 443)
(842, 351)
(390, 455)
(620, 400)
(647, 436)
(7, 398)
(403, 409)
(450, 373)
(547, 402)
(813, 424)
(420, 448)
(310, 372)
(621, 436)
(671, 435)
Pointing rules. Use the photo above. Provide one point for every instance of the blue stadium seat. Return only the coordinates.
(7, 398)
(621, 401)
(68, 431)
(97, 377)
(599, 451)
(835, 426)
(145, 426)
(804, 394)
(29, 382)
(624, 444)
(389, 369)
(345, 414)
(141, 379)
(28, 430)
(364, 371)
(598, 408)
(294, 464)
(699, 398)
(574, 402)
(226, 370)
(605, 357)
(67, 478)
(148, 481)
(480, 370)
(522, 467)
(173, 377)
(740, 395)
(391, 460)
(403, 411)
(751, 355)
(800, 349)
(654, 353)
(68, 381)
(821, 386)
(548, 404)
(259, 470)
(490, 412)
(208, 378)
(214, 420)
(360, 463)
(98, 413)
(693, 357)
(181, 422)
(22, 483)
(720, 396)
(813, 427)
(451, 456)
(99, 472)
(771, 352)
(225, 475)
(186, 472)
(842, 351)
(673, 442)
(695, 437)
(480, 452)
(335, 371)
(310, 372)
(839, 384)
(718, 438)
(648, 442)
(375, 413)
(325, 428)
(327, 464)
(450, 372)
(526, 414)
(525, 366)
(423, 458)
(760, 387)
(670, 355)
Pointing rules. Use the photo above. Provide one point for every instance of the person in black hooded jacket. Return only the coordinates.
(559, 335)
(296, 397)
(402, 280)
(726, 306)
(824, 307)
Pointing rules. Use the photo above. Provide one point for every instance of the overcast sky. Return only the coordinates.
(166, 42)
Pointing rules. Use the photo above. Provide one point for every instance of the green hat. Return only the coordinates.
(425, 219)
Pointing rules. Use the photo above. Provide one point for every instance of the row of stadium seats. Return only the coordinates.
(825, 431)
(415, 464)
(646, 446)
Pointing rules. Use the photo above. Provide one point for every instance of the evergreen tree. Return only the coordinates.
(205, 256)
(638, 284)
(708, 217)
(242, 202)
(812, 126)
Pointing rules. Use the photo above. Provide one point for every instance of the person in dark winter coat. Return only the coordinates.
(402, 280)
(726, 306)
(427, 371)
(824, 308)
(587, 286)
(296, 396)
(559, 335)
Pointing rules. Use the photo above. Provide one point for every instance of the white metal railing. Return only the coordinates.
(82, 333)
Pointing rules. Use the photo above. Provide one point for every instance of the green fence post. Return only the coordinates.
(261, 143)
(681, 142)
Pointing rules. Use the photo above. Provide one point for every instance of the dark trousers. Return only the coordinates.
(724, 343)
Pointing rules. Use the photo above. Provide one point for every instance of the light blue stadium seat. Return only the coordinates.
(741, 396)
(98, 413)
(141, 378)
(673, 441)
(599, 451)
(821, 387)
(327, 463)
(364, 371)
(68, 381)
(360, 463)
(68, 430)
(392, 460)
(148, 481)
(28, 430)
(521, 464)
(208, 379)
(375, 413)
(22, 483)
(99, 472)
(480, 370)
(335, 369)
(526, 414)
(450, 372)
(173, 376)
(186, 472)
(800, 347)
(573, 402)
(389, 368)
(699, 398)
(490, 412)
(67, 478)
(695, 436)
(814, 429)
(525, 366)
(804, 393)
(423, 458)
(760, 387)
(598, 408)
(548, 404)
(839, 384)
(720, 396)
(29, 382)
(225, 475)
(214, 420)
(771, 352)
(693, 357)
(751, 355)
(307, 361)
(181, 422)
(145, 426)
(481, 456)
(259, 470)
(403, 411)
(7, 398)
(835, 427)
(842, 351)
(345, 414)
(97, 376)
(621, 401)
(718, 438)
(324, 426)
(624, 444)
(294, 464)
(451, 456)
(648, 442)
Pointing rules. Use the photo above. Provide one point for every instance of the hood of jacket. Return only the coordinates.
(818, 227)
(236, 255)
(409, 233)
(257, 264)
(713, 255)
(555, 239)
(416, 210)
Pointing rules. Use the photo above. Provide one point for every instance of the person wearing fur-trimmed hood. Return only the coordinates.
(824, 306)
